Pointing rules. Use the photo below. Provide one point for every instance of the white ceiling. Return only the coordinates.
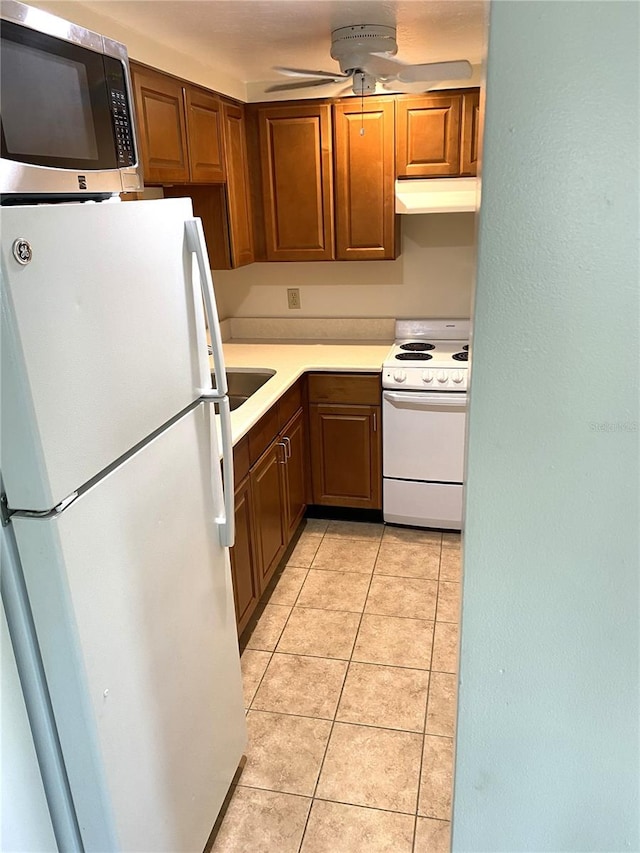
(243, 39)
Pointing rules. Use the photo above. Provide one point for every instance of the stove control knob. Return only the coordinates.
(441, 376)
(427, 375)
(399, 375)
(458, 376)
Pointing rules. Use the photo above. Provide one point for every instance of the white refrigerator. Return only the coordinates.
(116, 578)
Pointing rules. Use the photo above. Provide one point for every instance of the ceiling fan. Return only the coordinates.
(365, 53)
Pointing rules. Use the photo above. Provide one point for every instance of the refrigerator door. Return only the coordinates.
(133, 607)
(103, 338)
(25, 824)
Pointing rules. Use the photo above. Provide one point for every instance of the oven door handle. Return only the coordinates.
(443, 399)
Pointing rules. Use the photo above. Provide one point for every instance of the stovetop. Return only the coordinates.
(427, 356)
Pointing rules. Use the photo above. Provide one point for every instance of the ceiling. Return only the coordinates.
(243, 39)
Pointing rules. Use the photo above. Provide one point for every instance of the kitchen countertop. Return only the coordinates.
(290, 361)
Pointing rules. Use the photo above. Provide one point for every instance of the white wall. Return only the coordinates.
(144, 49)
(548, 749)
(433, 277)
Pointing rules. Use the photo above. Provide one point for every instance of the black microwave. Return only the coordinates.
(66, 110)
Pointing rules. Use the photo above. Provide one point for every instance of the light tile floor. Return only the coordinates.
(350, 689)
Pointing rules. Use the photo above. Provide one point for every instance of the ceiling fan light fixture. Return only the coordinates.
(363, 83)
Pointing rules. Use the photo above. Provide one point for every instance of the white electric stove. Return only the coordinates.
(428, 355)
(424, 404)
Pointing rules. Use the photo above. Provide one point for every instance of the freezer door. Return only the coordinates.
(133, 605)
(103, 338)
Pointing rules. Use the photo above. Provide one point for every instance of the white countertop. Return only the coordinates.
(290, 361)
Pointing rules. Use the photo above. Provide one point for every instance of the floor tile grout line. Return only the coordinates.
(344, 722)
(355, 660)
(426, 710)
(433, 639)
(338, 703)
(327, 800)
(273, 651)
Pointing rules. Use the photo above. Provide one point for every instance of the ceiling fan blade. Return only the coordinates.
(433, 71)
(303, 84)
(303, 72)
(408, 88)
(383, 66)
(389, 68)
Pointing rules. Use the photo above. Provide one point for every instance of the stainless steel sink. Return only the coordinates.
(243, 383)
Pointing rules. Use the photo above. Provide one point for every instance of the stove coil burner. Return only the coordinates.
(460, 356)
(413, 356)
(417, 346)
(466, 347)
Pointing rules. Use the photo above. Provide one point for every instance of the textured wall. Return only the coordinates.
(95, 16)
(548, 749)
(433, 277)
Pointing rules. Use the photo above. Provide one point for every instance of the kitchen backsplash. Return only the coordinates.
(318, 329)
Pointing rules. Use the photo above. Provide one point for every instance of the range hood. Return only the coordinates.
(438, 195)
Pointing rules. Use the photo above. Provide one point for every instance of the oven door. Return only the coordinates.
(423, 435)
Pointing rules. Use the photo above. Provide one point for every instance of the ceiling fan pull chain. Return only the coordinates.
(362, 112)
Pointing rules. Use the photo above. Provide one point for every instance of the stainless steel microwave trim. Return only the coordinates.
(26, 178)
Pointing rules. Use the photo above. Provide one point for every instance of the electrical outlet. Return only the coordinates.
(293, 297)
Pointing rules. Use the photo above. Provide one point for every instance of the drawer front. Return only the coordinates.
(241, 461)
(289, 404)
(345, 388)
(263, 433)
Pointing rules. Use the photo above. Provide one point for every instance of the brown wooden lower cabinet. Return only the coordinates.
(244, 571)
(345, 455)
(268, 490)
(295, 472)
(344, 439)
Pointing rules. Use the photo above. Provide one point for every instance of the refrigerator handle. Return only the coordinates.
(225, 515)
(196, 244)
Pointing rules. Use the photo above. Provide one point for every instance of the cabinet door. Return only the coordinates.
(244, 570)
(295, 469)
(204, 127)
(161, 125)
(470, 133)
(239, 209)
(364, 176)
(295, 155)
(428, 130)
(345, 455)
(267, 486)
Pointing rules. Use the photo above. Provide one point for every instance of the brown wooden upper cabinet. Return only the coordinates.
(204, 132)
(428, 129)
(364, 179)
(318, 169)
(437, 134)
(470, 139)
(161, 126)
(297, 182)
(180, 129)
(238, 195)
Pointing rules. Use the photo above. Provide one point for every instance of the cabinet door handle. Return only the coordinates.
(375, 422)
(286, 439)
(283, 461)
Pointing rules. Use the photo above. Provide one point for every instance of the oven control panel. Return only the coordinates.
(425, 379)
